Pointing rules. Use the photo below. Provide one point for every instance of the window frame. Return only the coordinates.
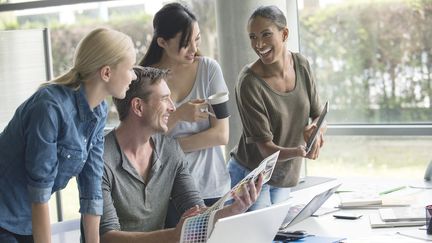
(4, 7)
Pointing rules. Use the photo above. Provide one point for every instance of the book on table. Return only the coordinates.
(358, 199)
(369, 200)
(402, 214)
(376, 222)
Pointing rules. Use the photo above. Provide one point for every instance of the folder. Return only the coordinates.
(319, 239)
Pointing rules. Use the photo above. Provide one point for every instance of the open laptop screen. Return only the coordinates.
(252, 227)
(299, 212)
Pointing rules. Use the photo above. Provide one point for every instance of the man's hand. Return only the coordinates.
(189, 213)
(246, 196)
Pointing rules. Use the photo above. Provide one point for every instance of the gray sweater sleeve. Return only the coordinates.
(109, 219)
(184, 192)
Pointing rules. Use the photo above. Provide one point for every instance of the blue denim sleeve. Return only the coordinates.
(41, 125)
(90, 178)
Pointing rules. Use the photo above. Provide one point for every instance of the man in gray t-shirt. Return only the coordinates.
(144, 168)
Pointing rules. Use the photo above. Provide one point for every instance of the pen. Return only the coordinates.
(392, 190)
(211, 114)
(208, 112)
(343, 191)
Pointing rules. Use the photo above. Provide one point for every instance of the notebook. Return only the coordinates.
(253, 227)
(402, 214)
(300, 212)
(376, 222)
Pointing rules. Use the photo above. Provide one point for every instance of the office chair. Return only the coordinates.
(428, 173)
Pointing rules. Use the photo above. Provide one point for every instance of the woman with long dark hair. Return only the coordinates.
(192, 79)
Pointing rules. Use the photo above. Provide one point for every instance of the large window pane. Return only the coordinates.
(373, 156)
(372, 59)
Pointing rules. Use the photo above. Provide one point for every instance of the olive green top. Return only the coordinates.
(268, 114)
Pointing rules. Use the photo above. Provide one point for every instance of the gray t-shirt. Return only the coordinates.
(131, 204)
(267, 114)
(207, 166)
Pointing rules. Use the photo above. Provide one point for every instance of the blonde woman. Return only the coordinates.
(58, 133)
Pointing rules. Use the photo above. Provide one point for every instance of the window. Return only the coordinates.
(372, 59)
(132, 17)
(373, 62)
(373, 156)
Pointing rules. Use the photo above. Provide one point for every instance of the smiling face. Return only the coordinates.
(186, 54)
(122, 75)
(159, 106)
(267, 40)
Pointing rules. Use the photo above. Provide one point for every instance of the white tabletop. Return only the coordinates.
(359, 230)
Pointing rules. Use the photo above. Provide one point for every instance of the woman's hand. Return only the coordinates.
(319, 141)
(193, 110)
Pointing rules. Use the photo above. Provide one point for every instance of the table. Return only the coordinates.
(353, 230)
(359, 230)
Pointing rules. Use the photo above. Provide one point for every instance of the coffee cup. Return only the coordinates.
(219, 104)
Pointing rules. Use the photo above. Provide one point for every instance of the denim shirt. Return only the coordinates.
(53, 136)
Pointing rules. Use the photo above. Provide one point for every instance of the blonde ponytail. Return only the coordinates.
(101, 47)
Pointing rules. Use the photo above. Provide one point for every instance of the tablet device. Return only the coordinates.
(319, 124)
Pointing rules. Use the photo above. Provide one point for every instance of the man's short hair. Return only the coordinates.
(140, 87)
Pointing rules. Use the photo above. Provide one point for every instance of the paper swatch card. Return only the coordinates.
(197, 229)
(266, 167)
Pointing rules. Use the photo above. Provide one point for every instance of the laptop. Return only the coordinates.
(300, 212)
(253, 227)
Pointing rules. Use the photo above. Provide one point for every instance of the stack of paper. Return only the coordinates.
(368, 200)
(356, 199)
